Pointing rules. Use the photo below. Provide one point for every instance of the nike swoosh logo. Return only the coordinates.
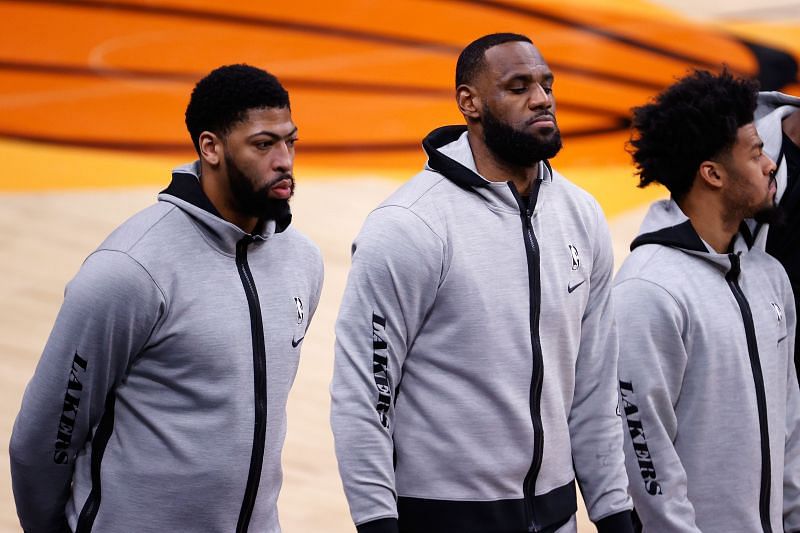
(296, 343)
(571, 288)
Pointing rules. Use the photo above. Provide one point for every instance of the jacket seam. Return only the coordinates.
(376, 518)
(684, 313)
(155, 283)
(153, 225)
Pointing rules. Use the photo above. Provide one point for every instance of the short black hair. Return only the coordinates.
(226, 94)
(694, 120)
(472, 58)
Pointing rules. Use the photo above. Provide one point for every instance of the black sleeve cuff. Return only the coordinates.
(616, 523)
(383, 525)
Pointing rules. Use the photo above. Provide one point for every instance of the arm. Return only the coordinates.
(791, 467)
(109, 310)
(595, 428)
(397, 266)
(652, 363)
(316, 291)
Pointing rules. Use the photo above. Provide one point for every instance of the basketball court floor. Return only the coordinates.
(92, 95)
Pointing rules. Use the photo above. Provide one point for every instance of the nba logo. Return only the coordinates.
(299, 304)
(576, 260)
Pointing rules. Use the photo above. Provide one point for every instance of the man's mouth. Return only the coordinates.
(282, 188)
(543, 121)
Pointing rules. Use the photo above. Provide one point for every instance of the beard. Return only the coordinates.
(773, 214)
(251, 201)
(517, 148)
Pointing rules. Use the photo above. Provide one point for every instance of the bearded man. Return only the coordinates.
(476, 353)
(159, 401)
(707, 376)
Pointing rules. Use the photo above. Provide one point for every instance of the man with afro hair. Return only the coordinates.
(159, 403)
(707, 322)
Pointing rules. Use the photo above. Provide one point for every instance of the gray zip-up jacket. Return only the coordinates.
(476, 345)
(707, 383)
(159, 401)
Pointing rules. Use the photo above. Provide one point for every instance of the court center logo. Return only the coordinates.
(298, 303)
(576, 258)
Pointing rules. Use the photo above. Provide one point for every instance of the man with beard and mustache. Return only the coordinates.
(159, 401)
(476, 354)
(707, 377)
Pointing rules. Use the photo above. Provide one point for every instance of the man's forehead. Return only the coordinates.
(747, 136)
(275, 119)
(517, 55)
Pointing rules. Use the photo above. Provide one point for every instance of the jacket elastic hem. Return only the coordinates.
(381, 525)
(616, 523)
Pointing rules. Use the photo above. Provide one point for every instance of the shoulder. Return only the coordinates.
(139, 229)
(575, 202)
(299, 245)
(109, 275)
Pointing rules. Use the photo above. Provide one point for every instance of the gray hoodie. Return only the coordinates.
(475, 345)
(159, 401)
(707, 383)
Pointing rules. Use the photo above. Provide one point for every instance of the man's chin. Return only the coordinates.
(772, 215)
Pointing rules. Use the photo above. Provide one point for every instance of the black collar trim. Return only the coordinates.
(187, 188)
(681, 236)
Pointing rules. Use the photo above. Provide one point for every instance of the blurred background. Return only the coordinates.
(92, 95)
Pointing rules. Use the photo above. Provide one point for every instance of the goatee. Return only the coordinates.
(252, 201)
(518, 148)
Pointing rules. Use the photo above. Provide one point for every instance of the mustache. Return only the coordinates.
(279, 178)
(543, 115)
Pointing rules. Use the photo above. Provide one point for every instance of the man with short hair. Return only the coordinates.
(707, 379)
(159, 401)
(476, 355)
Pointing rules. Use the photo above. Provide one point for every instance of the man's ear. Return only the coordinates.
(712, 174)
(469, 103)
(211, 148)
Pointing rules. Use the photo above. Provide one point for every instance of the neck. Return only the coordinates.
(710, 222)
(791, 127)
(493, 169)
(218, 192)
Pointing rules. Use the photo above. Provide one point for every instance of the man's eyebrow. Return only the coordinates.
(274, 136)
(527, 76)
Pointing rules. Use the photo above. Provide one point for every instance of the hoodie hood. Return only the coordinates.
(772, 107)
(666, 225)
(185, 192)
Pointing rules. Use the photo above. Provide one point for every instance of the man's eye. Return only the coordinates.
(290, 143)
(547, 89)
(518, 90)
(263, 145)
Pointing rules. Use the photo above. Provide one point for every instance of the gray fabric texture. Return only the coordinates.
(693, 445)
(445, 265)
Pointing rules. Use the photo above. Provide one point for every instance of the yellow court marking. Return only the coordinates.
(35, 167)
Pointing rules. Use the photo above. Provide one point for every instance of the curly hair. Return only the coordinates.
(472, 58)
(226, 94)
(693, 120)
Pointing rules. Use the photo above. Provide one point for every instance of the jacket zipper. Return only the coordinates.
(732, 277)
(260, 383)
(537, 377)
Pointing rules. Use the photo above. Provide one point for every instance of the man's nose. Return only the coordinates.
(282, 157)
(538, 98)
(770, 166)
